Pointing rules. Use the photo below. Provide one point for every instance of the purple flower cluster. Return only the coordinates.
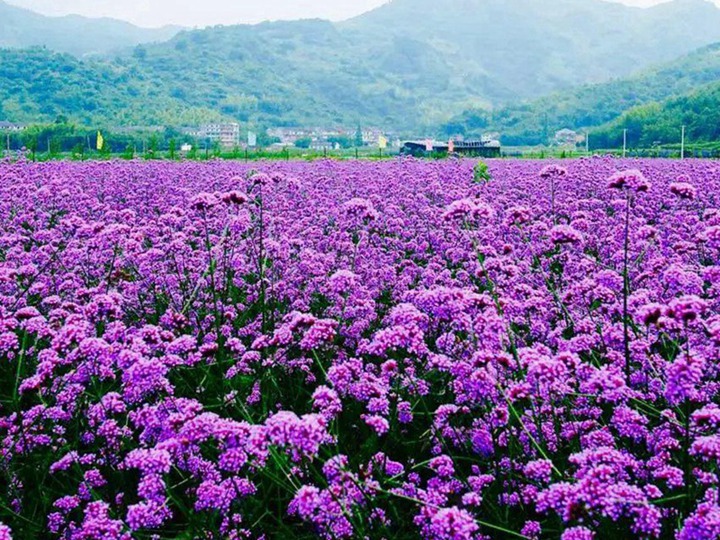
(360, 350)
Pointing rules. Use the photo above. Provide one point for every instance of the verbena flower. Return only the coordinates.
(564, 234)
(452, 524)
(683, 190)
(553, 171)
(189, 347)
(631, 179)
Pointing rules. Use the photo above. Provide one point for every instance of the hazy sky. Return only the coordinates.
(210, 12)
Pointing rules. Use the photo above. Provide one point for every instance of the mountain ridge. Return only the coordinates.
(542, 33)
(73, 34)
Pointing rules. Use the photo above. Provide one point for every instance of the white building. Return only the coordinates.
(290, 135)
(567, 137)
(228, 135)
(9, 126)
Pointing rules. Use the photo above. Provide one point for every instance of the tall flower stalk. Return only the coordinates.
(629, 182)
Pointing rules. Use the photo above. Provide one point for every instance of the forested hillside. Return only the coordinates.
(409, 66)
(534, 122)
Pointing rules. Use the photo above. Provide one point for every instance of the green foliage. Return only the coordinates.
(37, 85)
(481, 173)
(358, 137)
(304, 142)
(140, 52)
(343, 142)
(60, 138)
(534, 123)
(129, 152)
(78, 151)
(658, 124)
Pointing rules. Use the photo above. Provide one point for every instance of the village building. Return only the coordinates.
(227, 134)
(483, 148)
(10, 126)
(568, 137)
(288, 136)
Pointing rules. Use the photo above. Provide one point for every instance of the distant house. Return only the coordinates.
(228, 135)
(484, 148)
(289, 136)
(321, 145)
(567, 137)
(10, 126)
(320, 135)
(370, 136)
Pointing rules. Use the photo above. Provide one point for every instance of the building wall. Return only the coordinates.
(228, 135)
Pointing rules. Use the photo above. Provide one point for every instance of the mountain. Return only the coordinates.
(533, 122)
(531, 48)
(311, 72)
(409, 65)
(22, 28)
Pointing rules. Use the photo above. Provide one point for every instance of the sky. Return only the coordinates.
(191, 13)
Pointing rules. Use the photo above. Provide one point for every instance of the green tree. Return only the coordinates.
(304, 142)
(153, 145)
(342, 141)
(129, 152)
(358, 137)
(140, 52)
(30, 141)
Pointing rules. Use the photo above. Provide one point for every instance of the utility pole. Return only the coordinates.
(682, 144)
(8, 142)
(587, 143)
(624, 143)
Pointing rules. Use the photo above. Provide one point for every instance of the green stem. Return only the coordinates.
(626, 290)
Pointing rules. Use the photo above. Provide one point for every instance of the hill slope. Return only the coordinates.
(661, 123)
(533, 122)
(532, 48)
(22, 28)
(36, 84)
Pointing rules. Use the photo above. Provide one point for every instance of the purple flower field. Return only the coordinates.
(379, 350)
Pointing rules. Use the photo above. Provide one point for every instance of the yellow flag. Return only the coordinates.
(100, 141)
(382, 142)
